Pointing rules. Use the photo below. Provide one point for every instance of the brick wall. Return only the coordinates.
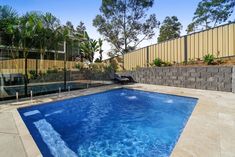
(220, 78)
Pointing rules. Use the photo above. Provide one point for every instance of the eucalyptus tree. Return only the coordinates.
(191, 28)
(125, 23)
(209, 13)
(81, 28)
(170, 29)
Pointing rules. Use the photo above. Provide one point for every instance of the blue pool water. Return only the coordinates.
(117, 123)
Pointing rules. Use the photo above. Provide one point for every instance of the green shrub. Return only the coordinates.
(208, 59)
(191, 61)
(158, 62)
(79, 65)
(167, 64)
(219, 61)
(54, 70)
(32, 74)
(114, 64)
(98, 67)
(108, 68)
(184, 63)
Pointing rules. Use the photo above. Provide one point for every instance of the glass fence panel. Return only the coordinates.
(12, 74)
(83, 75)
(45, 76)
(47, 73)
(75, 76)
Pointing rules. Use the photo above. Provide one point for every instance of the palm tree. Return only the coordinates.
(14, 46)
(8, 16)
(81, 38)
(26, 29)
(51, 25)
(88, 49)
(8, 20)
(57, 39)
(46, 34)
(94, 48)
(7, 12)
(65, 36)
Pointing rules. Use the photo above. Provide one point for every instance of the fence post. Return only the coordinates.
(185, 49)
(26, 77)
(65, 71)
(36, 67)
(147, 56)
(123, 63)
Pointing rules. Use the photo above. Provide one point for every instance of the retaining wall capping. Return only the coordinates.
(218, 78)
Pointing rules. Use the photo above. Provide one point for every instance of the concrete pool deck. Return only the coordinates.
(209, 132)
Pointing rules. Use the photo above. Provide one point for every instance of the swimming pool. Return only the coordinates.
(118, 123)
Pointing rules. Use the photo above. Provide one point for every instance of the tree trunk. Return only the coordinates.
(41, 61)
(25, 69)
(124, 29)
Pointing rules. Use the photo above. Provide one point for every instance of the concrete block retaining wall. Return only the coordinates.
(218, 78)
(75, 75)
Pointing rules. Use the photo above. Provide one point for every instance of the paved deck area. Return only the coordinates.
(210, 131)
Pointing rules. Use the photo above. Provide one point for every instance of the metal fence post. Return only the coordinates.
(123, 62)
(65, 71)
(36, 67)
(147, 56)
(185, 49)
(26, 77)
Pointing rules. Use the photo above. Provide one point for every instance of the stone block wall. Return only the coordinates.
(218, 78)
(75, 75)
(91, 75)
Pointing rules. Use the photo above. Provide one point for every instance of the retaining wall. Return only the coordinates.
(218, 78)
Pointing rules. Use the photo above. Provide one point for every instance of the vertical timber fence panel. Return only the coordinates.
(17, 65)
(219, 41)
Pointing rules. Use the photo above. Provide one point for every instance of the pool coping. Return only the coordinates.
(213, 145)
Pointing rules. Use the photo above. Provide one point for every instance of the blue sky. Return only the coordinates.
(85, 10)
